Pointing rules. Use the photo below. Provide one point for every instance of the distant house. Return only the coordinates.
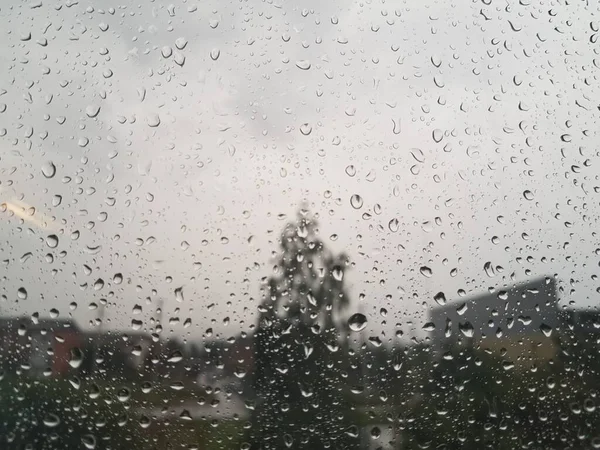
(519, 323)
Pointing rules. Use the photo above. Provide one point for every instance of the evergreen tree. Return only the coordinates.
(299, 351)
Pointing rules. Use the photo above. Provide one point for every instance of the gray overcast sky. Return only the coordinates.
(180, 131)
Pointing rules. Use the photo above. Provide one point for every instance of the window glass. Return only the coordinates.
(308, 225)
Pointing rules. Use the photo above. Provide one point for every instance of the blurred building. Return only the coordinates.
(519, 323)
(39, 347)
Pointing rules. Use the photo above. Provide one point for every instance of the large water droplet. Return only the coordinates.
(92, 110)
(52, 241)
(51, 420)
(440, 298)
(356, 201)
(303, 64)
(153, 120)
(76, 358)
(426, 271)
(338, 273)
(357, 322)
(48, 169)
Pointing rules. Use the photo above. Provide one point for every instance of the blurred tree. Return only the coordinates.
(299, 347)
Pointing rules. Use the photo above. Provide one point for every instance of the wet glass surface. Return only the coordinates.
(305, 225)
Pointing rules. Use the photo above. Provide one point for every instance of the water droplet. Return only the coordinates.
(426, 271)
(489, 269)
(51, 420)
(180, 43)
(417, 153)
(76, 358)
(89, 441)
(48, 169)
(215, 53)
(351, 170)
(429, 326)
(305, 129)
(546, 329)
(462, 308)
(438, 135)
(528, 195)
(357, 322)
(467, 329)
(338, 273)
(356, 201)
(52, 241)
(394, 225)
(303, 64)
(118, 278)
(22, 293)
(179, 294)
(92, 110)
(440, 298)
(153, 120)
(166, 51)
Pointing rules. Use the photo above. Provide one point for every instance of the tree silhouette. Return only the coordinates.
(299, 353)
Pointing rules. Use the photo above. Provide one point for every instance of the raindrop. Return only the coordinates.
(489, 269)
(429, 326)
(394, 225)
(48, 169)
(303, 64)
(466, 329)
(546, 329)
(426, 271)
(179, 294)
(153, 120)
(357, 322)
(338, 273)
(52, 241)
(356, 201)
(166, 51)
(350, 170)
(89, 441)
(215, 53)
(76, 358)
(22, 293)
(528, 195)
(51, 420)
(440, 298)
(92, 110)
(417, 153)
(305, 129)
